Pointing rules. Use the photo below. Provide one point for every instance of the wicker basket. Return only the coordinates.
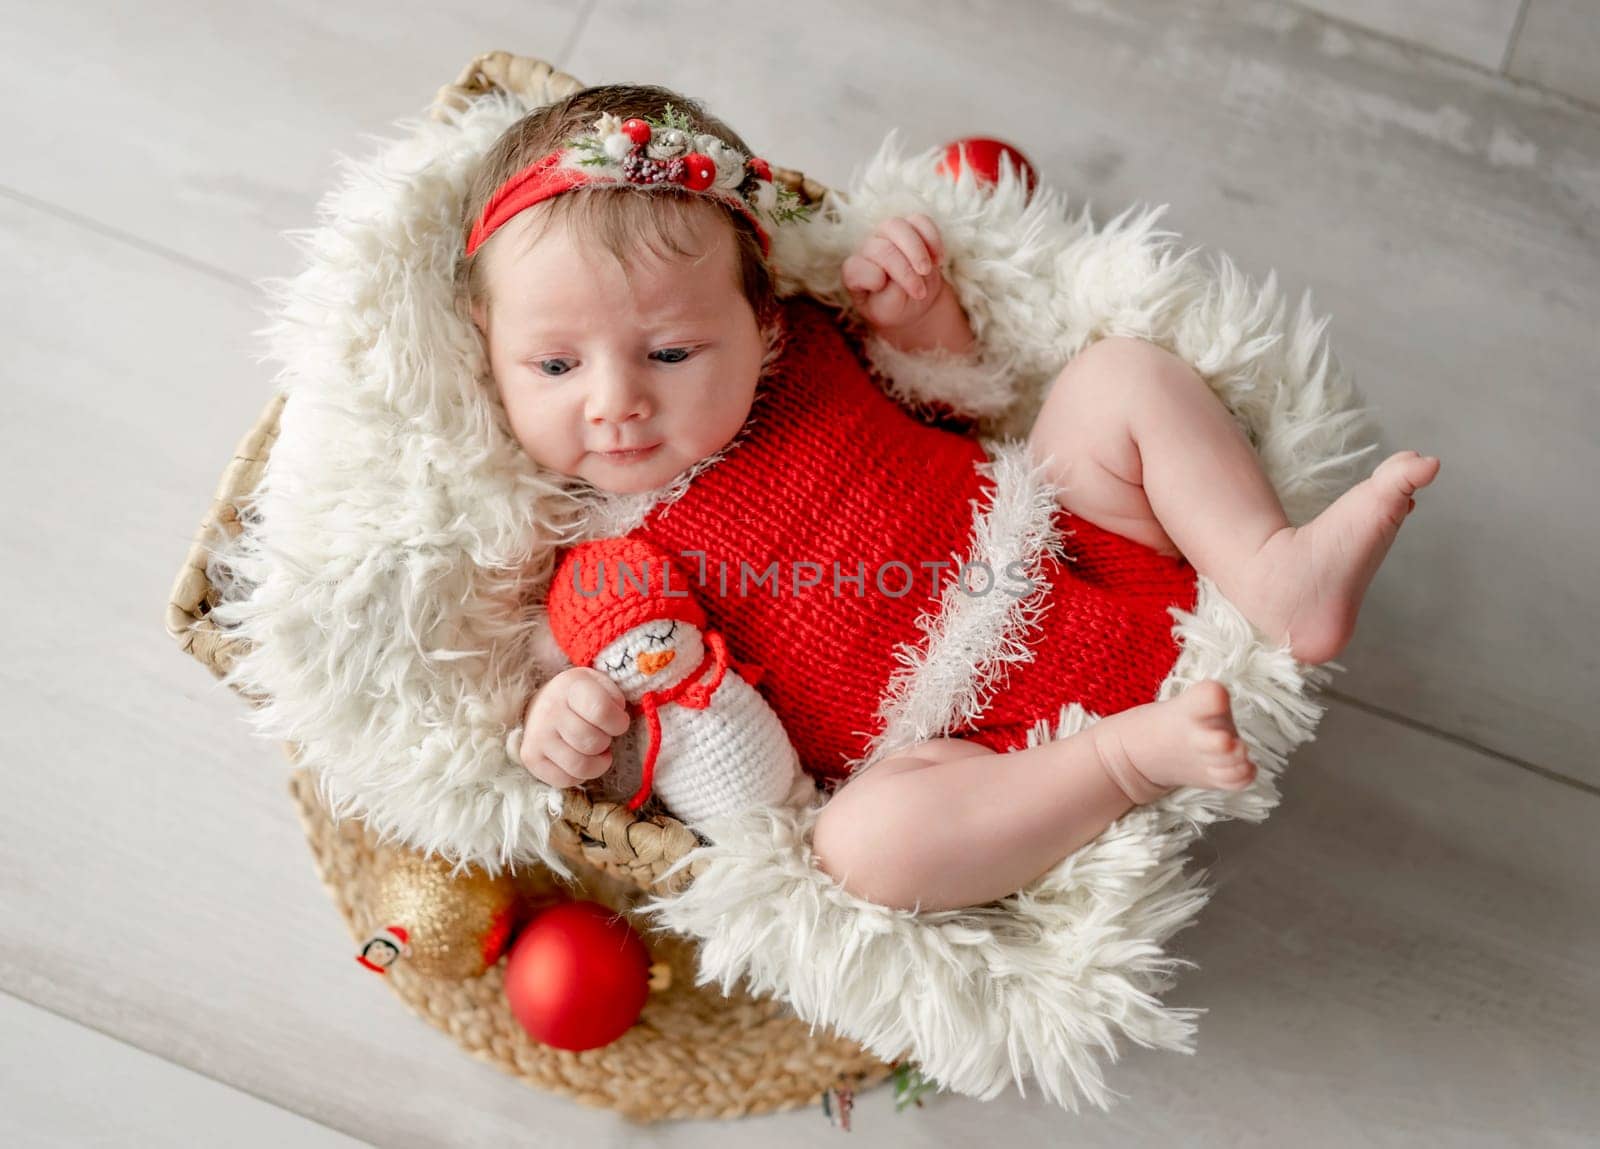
(694, 1052)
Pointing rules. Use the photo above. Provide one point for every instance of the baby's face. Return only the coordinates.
(623, 382)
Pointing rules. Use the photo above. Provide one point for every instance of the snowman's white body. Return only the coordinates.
(722, 759)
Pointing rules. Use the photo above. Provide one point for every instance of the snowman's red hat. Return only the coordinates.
(596, 595)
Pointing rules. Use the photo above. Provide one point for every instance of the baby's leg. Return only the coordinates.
(951, 823)
(1144, 448)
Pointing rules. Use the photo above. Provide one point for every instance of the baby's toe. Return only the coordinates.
(1235, 775)
(1206, 700)
(1408, 471)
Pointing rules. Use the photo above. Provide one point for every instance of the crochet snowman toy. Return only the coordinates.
(712, 745)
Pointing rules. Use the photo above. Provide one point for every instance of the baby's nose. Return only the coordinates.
(650, 662)
(617, 399)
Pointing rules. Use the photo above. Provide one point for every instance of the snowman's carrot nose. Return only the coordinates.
(651, 662)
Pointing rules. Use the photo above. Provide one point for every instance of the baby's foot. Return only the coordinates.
(1306, 583)
(1189, 740)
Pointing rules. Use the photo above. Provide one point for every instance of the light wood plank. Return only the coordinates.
(1559, 47)
(1475, 30)
(1446, 219)
(1402, 949)
(70, 1086)
(212, 130)
(1398, 954)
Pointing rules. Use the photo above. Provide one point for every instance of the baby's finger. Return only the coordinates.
(888, 256)
(581, 734)
(929, 231)
(580, 766)
(598, 700)
(862, 276)
(911, 243)
(542, 768)
(889, 306)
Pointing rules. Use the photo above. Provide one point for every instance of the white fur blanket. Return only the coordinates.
(398, 525)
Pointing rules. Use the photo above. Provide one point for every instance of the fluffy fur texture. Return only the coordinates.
(383, 585)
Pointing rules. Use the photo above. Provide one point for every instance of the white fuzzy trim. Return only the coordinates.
(966, 384)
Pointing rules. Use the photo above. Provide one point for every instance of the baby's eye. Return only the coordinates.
(675, 354)
(554, 366)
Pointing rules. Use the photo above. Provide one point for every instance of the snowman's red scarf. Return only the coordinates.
(687, 691)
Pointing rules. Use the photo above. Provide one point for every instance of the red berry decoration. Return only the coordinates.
(636, 130)
(577, 977)
(762, 169)
(699, 171)
(982, 156)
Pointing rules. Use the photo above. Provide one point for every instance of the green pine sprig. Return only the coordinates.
(788, 207)
(672, 118)
(909, 1086)
(593, 150)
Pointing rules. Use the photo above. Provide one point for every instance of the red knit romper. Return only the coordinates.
(833, 471)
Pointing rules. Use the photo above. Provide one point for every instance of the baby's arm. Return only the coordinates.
(896, 286)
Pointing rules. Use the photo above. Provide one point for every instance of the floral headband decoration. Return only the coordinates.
(646, 153)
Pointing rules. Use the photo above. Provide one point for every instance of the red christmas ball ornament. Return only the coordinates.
(762, 169)
(982, 156)
(636, 130)
(577, 977)
(699, 171)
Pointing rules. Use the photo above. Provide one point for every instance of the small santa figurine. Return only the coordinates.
(712, 745)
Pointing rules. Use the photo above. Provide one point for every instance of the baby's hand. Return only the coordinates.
(894, 279)
(569, 727)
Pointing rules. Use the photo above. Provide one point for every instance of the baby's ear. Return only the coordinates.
(480, 316)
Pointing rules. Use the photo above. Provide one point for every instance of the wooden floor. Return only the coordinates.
(1404, 954)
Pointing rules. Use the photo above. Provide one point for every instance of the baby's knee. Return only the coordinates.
(855, 842)
(1088, 404)
(831, 841)
(840, 839)
(1119, 365)
(841, 852)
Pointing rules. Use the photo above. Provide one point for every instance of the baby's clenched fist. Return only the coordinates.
(570, 725)
(894, 277)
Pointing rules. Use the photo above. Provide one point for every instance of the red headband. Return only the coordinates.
(646, 154)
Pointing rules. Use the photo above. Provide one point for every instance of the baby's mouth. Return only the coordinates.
(628, 455)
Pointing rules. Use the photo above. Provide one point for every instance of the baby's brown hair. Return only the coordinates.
(618, 218)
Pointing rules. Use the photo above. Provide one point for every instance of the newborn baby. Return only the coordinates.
(665, 361)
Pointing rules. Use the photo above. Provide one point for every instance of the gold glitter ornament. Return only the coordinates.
(454, 927)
